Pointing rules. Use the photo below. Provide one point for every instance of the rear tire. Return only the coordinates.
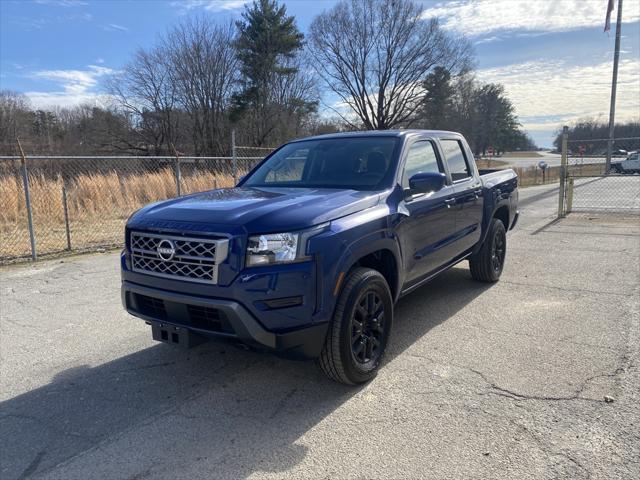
(359, 331)
(487, 264)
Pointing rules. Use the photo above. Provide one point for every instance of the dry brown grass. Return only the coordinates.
(530, 176)
(521, 154)
(98, 204)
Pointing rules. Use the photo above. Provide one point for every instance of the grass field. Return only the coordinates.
(521, 154)
(97, 207)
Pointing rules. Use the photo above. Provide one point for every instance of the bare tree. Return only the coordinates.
(290, 101)
(374, 56)
(179, 90)
(146, 92)
(204, 70)
(15, 118)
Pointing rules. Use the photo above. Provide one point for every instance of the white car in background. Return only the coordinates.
(630, 165)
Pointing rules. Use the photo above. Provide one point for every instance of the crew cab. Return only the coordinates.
(308, 254)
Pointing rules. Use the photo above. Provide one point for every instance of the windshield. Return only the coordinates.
(361, 163)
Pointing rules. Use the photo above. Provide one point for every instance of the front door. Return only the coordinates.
(430, 223)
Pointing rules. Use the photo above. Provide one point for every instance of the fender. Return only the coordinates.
(496, 197)
(358, 244)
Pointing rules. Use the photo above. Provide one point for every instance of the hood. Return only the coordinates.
(260, 210)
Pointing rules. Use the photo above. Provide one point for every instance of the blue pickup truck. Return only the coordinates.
(308, 254)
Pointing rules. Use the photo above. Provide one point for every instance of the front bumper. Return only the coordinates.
(218, 318)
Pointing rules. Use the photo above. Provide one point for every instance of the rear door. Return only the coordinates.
(430, 223)
(467, 193)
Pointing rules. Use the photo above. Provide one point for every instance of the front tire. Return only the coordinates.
(359, 331)
(487, 264)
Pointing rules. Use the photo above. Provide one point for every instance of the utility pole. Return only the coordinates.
(614, 83)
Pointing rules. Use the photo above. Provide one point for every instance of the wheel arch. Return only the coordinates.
(385, 262)
(383, 256)
(502, 214)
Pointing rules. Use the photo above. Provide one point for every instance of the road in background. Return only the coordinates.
(481, 381)
(551, 159)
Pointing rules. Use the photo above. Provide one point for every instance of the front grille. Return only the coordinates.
(193, 259)
(152, 307)
(208, 318)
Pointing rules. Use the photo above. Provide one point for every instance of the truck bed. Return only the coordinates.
(493, 177)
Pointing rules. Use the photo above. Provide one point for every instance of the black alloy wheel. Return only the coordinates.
(498, 251)
(359, 331)
(367, 327)
(487, 264)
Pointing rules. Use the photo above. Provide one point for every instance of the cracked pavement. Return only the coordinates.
(500, 381)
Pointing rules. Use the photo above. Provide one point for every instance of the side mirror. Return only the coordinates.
(427, 182)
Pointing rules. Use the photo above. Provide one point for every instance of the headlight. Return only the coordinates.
(272, 248)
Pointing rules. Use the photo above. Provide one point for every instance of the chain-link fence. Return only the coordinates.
(53, 204)
(587, 185)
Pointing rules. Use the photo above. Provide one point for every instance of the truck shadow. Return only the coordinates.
(213, 409)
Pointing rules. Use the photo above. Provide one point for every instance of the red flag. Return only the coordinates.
(607, 21)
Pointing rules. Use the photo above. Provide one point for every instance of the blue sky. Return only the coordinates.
(551, 55)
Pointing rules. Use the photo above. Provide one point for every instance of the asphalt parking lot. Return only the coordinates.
(620, 193)
(501, 381)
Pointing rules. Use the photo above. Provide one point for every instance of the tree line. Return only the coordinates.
(588, 136)
(363, 64)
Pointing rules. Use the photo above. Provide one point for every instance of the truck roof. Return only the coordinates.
(379, 133)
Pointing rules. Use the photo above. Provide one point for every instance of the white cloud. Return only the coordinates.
(547, 94)
(30, 24)
(38, 23)
(74, 86)
(114, 27)
(62, 3)
(46, 100)
(210, 5)
(481, 17)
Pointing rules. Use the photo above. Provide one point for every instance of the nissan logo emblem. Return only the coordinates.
(166, 250)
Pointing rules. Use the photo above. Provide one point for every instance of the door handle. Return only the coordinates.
(449, 202)
(477, 193)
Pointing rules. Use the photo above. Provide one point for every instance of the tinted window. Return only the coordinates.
(455, 159)
(421, 158)
(291, 168)
(360, 163)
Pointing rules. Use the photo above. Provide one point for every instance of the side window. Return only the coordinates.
(456, 159)
(421, 158)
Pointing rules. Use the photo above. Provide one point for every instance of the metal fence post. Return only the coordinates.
(614, 84)
(234, 157)
(563, 166)
(27, 198)
(177, 172)
(66, 210)
(570, 195)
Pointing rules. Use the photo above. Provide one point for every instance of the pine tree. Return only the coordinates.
(267, 39)
(437, 99)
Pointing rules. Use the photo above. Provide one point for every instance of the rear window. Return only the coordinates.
(456, 159)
